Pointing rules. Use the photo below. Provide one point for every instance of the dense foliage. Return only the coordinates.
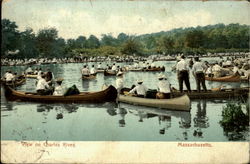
(233, 118)
(199, 40)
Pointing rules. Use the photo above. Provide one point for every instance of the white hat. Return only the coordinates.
(162, 76)
(139, 81)
(119, 73)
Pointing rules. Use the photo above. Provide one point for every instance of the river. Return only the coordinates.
(109, 121)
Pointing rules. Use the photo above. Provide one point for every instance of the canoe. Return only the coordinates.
(231, 78)
(108, 73)
(90, 77)
(109, 94)
(219, 94)
(31, 76)
(179, 103)
(155, 69)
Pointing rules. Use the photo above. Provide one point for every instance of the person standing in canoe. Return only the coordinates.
(198, 72)
(140, 90)
(114, 68)
(43, 87)
(119, 81)
(183, 74)
(92, 70)
(164, 91)
(59, 89)
(85, 71)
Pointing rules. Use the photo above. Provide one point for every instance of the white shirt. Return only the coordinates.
(182, 65)
(236, 69)
(198, 67)
(209, 70)
(29, 70)
(216, 68)
(164, 86)
(92, 70)
(119, 83)
(59, 90)
(153, 64)
(42, 84)
(99, 66)
(114, 68)
(85, 71)
(140, 89)
(9, 76)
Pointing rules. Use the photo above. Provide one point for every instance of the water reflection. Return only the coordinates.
(200, 119)
(122, 112)
(165, 123)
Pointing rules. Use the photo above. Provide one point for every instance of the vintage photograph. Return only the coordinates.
(124, 71)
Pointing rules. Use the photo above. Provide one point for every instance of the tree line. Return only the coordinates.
(198, 40)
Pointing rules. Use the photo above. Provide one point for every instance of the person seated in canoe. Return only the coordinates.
(29, 70)
(36, 71)
(92, 70)
(216, 70)
(114, 68)
(39, 73)
(236, 70)
(85, 71)
(42, 87)
(59, 89)
(140, 90)
(119, 82)
(99, 67)
(49, 76)
(164, 91)
(9, 77)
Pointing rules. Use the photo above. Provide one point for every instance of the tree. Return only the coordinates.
(93, 42)
(81, 42)
(28, 44)
(122, 37)
(109, 40)
(194, 39)
(131, 46)
(10, 37)
(45, 39)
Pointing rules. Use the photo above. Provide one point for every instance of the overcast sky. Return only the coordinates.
(84, 17)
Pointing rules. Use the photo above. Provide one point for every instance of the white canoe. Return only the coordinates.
(31, 76)
(179, 103)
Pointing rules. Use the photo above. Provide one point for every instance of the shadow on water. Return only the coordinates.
(200, 119)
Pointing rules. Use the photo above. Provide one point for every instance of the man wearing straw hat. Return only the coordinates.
(163, 88)
(59, 89)
(140, 90)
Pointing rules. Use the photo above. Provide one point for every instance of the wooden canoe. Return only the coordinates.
(107, 95)
(179, 103)
(108, 73)
(231, 78)
(155, 69)
(219, 94)
(31, 76)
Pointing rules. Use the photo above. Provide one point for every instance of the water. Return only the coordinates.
(109, 121)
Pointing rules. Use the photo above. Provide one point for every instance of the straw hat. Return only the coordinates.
(59, 79)
(139, 81)
(119, 73)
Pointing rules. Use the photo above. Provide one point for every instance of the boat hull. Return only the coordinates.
(181, 103)
(231, 78)
(107, 95)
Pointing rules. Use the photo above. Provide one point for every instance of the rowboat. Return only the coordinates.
(215, 94)
(109, 94)
(231, 78)
(90, 77)
(179, 103)
(108, 73)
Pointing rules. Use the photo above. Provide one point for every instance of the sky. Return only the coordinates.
(73, 18)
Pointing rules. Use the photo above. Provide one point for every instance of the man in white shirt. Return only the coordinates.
(85, 71)
(216, 70)
(9, 76)
(29, 70)
(183, 74)
(140, 90)
(42, 87)
(99, 66)
(163, 88)
(114, 68)
(92, 70)
(198, 72)
(236, 70)
(119, 81)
